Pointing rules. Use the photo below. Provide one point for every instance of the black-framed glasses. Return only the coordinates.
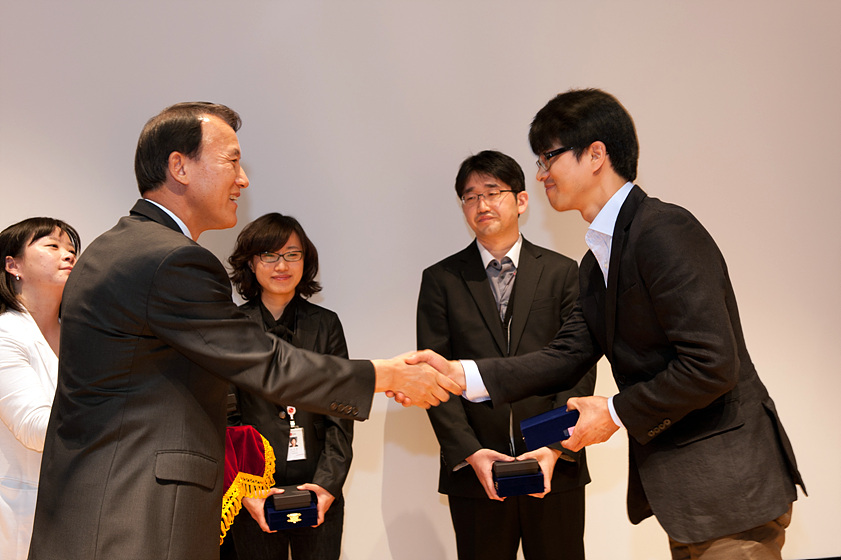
(491, 197)
(289, 256)
(543, 161)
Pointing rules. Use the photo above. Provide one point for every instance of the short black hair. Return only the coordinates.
(269, 233)
(495, 164)
(578, 118)
(178, 128)
(14, 239)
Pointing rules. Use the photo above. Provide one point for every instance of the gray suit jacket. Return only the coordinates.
(458, 318)
(134, 456)
(708, 454)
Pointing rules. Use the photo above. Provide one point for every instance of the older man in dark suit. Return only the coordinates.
(463, 313)
(134, 453)
(708, 454)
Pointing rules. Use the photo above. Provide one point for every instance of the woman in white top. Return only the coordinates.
(38, 255)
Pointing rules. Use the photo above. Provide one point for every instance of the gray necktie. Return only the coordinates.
(502, 281)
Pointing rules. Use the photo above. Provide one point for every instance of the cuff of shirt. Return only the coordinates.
(613, 414)
(475, 390)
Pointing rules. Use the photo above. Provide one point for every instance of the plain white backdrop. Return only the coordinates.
(356, 117)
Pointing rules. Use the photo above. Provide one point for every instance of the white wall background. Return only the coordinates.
(356, 116)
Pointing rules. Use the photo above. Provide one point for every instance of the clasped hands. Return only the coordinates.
(438, 377)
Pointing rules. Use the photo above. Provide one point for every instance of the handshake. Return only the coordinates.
(421, 378)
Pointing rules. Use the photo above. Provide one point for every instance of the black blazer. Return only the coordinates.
(458, 318)
(134, 454)
(327, 439)
(708, 454)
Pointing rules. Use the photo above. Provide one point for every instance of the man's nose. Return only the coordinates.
(242, 180)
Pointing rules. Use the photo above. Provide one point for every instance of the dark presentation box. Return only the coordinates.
(516, 478)
(548, 428)
(294, 508)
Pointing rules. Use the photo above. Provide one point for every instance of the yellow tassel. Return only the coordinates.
(247, 486)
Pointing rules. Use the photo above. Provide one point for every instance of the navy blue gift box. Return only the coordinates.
(294, 508)
(548, 428)
(516, 478)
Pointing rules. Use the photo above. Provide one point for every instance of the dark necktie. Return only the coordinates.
(502, 281)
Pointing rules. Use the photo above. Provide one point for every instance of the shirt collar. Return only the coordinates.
(513, 253)
(178, 221)
(605, 220)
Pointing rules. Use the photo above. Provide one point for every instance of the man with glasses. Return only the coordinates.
(501, 296)
(708, 455)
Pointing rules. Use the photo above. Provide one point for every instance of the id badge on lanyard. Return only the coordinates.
(297, 451)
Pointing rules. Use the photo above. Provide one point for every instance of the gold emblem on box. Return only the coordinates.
(293, 517)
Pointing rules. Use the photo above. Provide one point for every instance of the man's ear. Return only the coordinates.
(522, 202)
(177, 167)
(597, 155)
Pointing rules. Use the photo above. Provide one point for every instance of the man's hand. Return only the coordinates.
(415, 383)
(546, 458)
(325, 499)
(482, 462)
(255, 508)
(451, 369)
(594, 423)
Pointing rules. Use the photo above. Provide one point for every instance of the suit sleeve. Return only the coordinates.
(685, 279)
(557, 367)
(190, 308)
(449, 420)
(334, 462)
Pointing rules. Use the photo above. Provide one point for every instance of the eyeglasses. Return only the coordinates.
(543, 161)
(290, 256)
(492, 197)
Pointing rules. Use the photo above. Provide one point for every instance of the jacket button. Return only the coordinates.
(281, 414)
(354, 411)
(651, 433)
(667, 422)
(334, 406)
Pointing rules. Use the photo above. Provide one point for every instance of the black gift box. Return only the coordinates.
(516, 478)
(548, 428)
(294, 508)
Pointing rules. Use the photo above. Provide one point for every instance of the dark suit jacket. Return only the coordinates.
(708, 454)
(327, 439)
(458, 318)
(134, 454)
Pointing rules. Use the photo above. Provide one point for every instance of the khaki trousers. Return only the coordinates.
(760, 543)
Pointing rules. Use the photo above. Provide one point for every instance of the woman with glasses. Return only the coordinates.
(274, 265)
(38, 255)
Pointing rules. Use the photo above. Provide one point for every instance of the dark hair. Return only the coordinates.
(578, 118)
(177, 128)
(270, 233)
(14, 239)
(495, 164)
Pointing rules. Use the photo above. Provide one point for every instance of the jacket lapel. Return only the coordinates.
(306, 328)
(476, 280)
(617, 247)
(529, 270)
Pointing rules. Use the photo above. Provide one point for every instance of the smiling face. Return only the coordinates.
(45, 263)
(497, 221)
(565, 182)
(278, 280)
(215, 178)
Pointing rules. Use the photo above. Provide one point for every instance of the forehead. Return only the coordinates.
(218, 134)
(483, 181)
